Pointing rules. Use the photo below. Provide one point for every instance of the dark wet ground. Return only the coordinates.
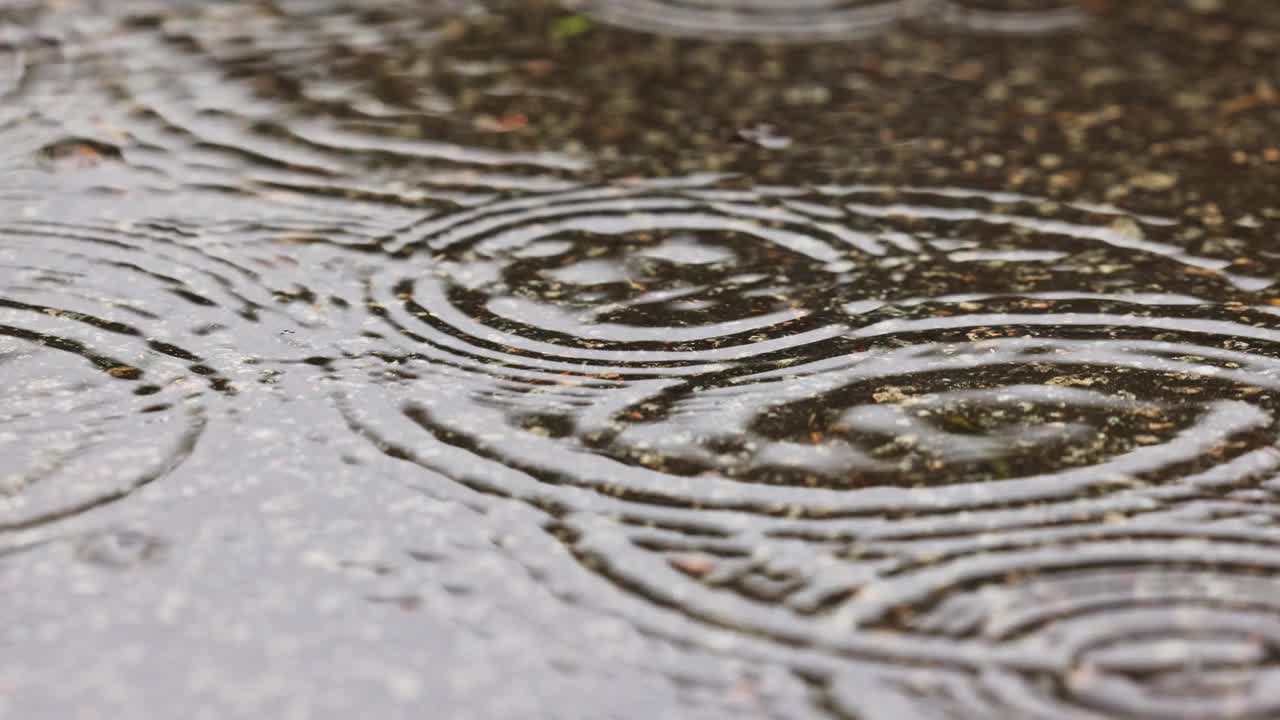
(640, 359)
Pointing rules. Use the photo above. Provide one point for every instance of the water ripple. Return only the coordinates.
(828, 19)
(249, 100)
(89, 391)
(1002, 455)
(970, 403)
(122, 338)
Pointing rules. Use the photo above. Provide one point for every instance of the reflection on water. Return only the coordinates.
(830, 19)
(960, 401)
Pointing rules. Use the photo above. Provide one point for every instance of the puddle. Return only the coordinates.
(911, 358)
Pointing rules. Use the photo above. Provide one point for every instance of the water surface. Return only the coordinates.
(639, 358)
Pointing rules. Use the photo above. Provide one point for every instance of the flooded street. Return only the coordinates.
(687, 359)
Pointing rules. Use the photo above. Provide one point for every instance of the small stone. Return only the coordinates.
(124, 372)
(1128, 228)
(1154, 181)
(891, 394)
(693, 565)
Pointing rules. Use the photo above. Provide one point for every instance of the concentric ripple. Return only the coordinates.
(119, 337)
(164, 247)
(942, 452)
(675, 313)
(94, 407)
(635, 275)
(1133, 629)
(1046, 412)
(271, 99)
(43, 71)
(835, 19)
(71, 424)
(844, 417)
(249, 100)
